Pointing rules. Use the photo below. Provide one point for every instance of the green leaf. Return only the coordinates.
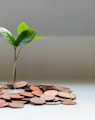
(37, 37)
(25, 37)
(22, 27)
(7, 35)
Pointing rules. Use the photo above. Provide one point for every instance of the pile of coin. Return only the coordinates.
(38, 94)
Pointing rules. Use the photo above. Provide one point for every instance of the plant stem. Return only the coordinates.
(14, 67)
(16, 56)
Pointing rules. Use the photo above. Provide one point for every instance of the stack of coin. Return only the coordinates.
(40, 94)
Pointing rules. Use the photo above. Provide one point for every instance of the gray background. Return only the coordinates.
(67, 50)
(50, 17)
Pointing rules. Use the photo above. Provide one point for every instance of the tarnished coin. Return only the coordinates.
(51, 92)
(37, 100)
(53, 103)
(69, 102)
(20, 84)
(48, 97)
(3, 103)
(66, 95)
(16, 96)
(16, 105)
(27, 94)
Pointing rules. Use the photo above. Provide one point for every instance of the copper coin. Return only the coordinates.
(3, 103)
(48, 97)
(6, 96)
(27, 94)
(53, 103)
(63, 99)
(56, 99)
(16, 105)
(4, 90)
(51, 92)
(69, 102)
(20, 84)
(62, 89)
(16, 96)
(37, 100)
(37, 92)
(1, 100)
(66, 95)
(1, 86)
(34, 87)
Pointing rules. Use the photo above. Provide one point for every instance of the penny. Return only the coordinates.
(4, 90)
(48, 97)
(6, 96)
(62, 89)
(46, 87)
(16, 105)
(53, 103)
(37, 101)
(56, 99)
(34, 87)
(69, 102)
(3, 103)
(20, 84)
(37, 92)
(66, 95)
(1, 100)
(1, 86)
(16, 96)
(51, 92)
(27, 94)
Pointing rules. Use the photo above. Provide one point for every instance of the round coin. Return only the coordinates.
(48, 97)
(51, 92)
(34, 87)
(27, 94)
(37, 92)
(3, 103)
(16, 105)
(37, 101)
(66, 95)
(20, 84)
(69, 102)
(6, 96)
(16, 96)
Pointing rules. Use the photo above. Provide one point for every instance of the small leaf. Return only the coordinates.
(37, 37)
(7, 35)
(22, 27)
(25, 37)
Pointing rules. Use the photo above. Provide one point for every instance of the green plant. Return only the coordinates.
(25, 36)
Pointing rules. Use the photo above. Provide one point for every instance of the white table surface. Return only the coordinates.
(84, 110)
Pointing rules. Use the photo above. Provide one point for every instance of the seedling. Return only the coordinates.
(25, 36)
